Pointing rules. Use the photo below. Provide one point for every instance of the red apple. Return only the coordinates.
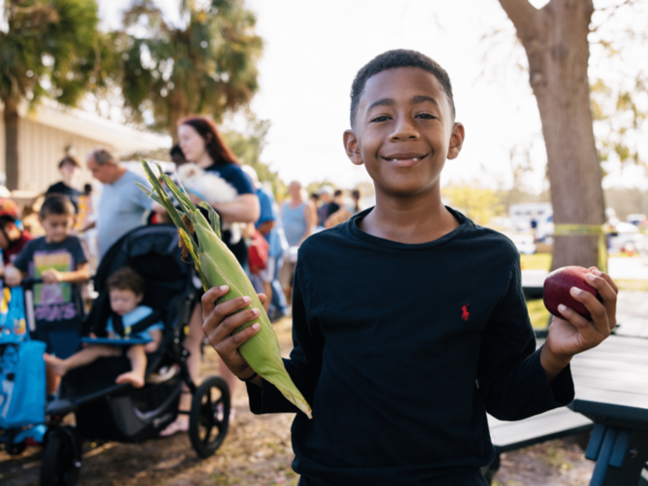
(556, 290)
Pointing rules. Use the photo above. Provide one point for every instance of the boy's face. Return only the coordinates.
(57, 226)
(122, 301)
(404, 132)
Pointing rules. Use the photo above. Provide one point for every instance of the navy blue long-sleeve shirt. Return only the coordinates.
(401, 350)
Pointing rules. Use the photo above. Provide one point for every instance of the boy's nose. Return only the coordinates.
(404, 129)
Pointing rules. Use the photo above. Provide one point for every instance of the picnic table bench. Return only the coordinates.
(554, 424)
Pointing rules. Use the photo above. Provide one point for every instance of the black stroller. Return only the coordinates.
(107, 411)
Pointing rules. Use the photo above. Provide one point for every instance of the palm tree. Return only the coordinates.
(47, 48)
(207, 66)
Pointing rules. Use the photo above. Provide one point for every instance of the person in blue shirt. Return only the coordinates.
(266, 281)
(126, 290)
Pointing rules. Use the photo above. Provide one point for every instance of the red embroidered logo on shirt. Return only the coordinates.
(464, 312)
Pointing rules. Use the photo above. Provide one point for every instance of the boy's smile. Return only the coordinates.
(404, 131)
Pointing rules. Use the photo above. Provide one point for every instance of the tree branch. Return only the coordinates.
(521, 13)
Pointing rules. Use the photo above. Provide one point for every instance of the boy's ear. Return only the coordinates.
(352, 147)
(456, 140)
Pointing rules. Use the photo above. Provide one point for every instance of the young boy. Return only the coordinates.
(409, 320)
(59, 260)
(12, 237)
(126, 289)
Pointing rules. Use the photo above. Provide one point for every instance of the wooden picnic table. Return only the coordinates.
(612, 390)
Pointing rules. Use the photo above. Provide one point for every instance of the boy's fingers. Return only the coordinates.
(608, 295)
(263, 298)
(211, 296)
(586, 329)
(228, 348)
(605, 277)
(598, 311)
(227, 326)
(240, 337)
(225, 309)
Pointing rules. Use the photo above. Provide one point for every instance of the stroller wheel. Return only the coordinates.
(61, 459)
(209, 416)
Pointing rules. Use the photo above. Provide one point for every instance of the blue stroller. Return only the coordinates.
(22, 377)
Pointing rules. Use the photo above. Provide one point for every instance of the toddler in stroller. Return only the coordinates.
(133, 330)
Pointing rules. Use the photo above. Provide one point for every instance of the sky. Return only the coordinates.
(312, 51)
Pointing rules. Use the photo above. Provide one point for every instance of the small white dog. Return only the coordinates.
(213, 189)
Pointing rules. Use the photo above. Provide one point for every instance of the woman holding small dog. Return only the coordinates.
(202, 144)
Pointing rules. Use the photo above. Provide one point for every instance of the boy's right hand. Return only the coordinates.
(220, 321)
(13, 277)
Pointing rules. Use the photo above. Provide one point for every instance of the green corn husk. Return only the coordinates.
(217, 265)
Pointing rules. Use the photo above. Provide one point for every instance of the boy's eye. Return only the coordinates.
(380, 118)
(426, 116)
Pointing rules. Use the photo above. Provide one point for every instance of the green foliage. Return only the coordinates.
(206, 67)
(619, 118)
(53, 48)
(478, 203)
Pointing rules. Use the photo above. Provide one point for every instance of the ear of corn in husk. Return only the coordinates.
(216, 265)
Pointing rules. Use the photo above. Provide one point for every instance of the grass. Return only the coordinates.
(628, 284)
(537, 261)
(538, 313)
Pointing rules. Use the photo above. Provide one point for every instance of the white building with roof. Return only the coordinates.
(52, 131)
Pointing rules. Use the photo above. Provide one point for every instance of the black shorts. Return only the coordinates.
(61, 343)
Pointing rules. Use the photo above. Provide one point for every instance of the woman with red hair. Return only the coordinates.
(202, 144)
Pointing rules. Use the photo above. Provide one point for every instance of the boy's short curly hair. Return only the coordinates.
(58, 204)
(126, 279)
(395, 59)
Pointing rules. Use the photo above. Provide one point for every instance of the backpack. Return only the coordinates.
(257, 253)
(22, 369)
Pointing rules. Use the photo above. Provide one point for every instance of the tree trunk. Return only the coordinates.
(555, 40)
(177, 103)
(11, 120)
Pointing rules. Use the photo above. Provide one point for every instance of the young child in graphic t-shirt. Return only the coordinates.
(58, 259)
(126, 289)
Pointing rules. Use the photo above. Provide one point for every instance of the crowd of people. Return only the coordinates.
(76, 235)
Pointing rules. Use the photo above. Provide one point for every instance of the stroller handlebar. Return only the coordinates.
(28, 282)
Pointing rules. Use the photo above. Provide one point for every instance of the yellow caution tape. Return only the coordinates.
(578, 229)
(587, 230)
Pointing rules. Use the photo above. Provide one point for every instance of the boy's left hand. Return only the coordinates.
(51, 276)
(574, 334)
